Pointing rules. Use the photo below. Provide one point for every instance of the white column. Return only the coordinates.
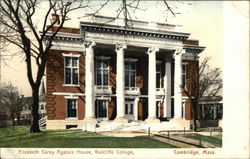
(120, 83)
(136, 108)
(89, 84)
(167, 87)
(152, 84)
(178, 83)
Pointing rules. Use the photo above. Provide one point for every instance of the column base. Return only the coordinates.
(152, 120)
(89, 124)
(121, 120)
(90, 120)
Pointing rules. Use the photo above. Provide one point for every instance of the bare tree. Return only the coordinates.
(206, 81)
(21, 31)
(10, 100)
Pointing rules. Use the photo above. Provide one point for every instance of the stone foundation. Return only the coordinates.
(152, 120)
(182, 122)
(61, 124)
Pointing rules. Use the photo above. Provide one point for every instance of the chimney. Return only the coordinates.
(55, 18)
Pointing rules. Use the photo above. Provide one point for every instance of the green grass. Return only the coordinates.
(20, 137)
(214, 140)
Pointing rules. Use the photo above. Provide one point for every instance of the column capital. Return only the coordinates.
(179, 52)
(120, 47)
(152, 50)
(89, 44)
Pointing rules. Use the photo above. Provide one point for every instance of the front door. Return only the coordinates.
(129, 109)
(101, 108)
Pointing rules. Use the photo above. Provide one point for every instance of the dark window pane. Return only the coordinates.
(68, 76)
(71, 108)
(126, 108)
(75, 76)
(183, 69)
(158, 80)
(67, 61)
(74, 61)
(98, 63)
(126, 79)
(101, 108)
(158, 67)
(183, 81)
(105, 77)
(131, 108)
(132, 79)
(132, 65)
(105, 63)
(126, 65)
(98, 77)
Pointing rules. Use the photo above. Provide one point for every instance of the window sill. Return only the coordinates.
(71, 85)
(71, 118)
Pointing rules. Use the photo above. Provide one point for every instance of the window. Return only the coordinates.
(130, 73)
(101, 108)
(42, 107)
(184, 76)
(102, 72)
(71, 108)
(158, 75)
(71, 70)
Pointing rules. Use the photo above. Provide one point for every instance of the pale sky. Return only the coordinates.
(203, 19)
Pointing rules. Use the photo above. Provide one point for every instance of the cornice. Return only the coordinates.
(69, 37)
(114, 29)
(194, 49)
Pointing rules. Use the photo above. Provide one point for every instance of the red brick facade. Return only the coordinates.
(56, 103)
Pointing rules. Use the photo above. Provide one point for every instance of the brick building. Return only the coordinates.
(106, 71)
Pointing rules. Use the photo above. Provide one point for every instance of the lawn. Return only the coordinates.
(20, 137)
(214, 140)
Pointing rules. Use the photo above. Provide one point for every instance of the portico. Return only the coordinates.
(132, 92)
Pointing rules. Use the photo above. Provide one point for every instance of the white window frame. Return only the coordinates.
(72, 98)
(130, 60)
(102, 69)
(78, 61)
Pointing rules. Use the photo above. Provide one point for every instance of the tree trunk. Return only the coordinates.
(35, 105)
(194, 107)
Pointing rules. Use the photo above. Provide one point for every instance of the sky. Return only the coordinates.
(203, 19)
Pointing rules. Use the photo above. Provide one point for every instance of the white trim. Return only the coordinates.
(70, 55)
(71, 85)
(71, 97)
(67, 94)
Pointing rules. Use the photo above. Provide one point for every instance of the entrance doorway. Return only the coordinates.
(101, 109)
(129, 109)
